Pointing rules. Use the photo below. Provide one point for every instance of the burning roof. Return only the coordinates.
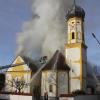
(57, 62)
(30, 63)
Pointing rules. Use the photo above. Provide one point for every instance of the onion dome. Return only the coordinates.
(76, 11)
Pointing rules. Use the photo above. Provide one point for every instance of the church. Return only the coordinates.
(63, 73)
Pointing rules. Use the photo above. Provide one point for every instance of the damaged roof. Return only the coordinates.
(30, 63)
(57, 62)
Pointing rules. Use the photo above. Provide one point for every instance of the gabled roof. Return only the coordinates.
(25, 60)
(57, 62)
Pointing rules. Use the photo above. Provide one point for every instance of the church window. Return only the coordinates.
(51, 88)
(73, 35)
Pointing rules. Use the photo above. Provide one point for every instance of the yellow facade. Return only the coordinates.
(19, 71)
(75, 25)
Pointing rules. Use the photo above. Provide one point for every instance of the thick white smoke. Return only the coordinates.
(46, 32)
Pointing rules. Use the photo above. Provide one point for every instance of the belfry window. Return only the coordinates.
(73, 35)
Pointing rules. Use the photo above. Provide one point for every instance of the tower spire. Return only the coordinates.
(74, 2)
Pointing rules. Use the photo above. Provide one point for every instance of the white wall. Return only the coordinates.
(66, 98)
(73, 60)
(20, 97)
(15, 97)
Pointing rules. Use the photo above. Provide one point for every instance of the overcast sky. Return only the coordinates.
(13, 13)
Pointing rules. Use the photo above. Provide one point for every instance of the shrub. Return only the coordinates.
(2, 81)
(78, 92)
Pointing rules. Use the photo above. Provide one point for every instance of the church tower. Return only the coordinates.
(76, 49)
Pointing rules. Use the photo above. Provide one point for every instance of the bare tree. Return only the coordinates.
(18, 84)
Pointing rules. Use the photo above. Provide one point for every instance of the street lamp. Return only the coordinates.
(95, 38)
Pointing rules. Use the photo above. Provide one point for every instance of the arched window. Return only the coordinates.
(50, 88)
(73, 35)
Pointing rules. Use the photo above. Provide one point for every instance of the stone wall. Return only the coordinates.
(81, 97)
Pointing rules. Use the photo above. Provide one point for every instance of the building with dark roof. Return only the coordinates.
(57, 62)
(55, 76)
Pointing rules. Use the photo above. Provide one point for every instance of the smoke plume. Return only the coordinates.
(46, 32)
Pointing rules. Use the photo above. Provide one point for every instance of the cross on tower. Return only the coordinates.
(74, 2)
